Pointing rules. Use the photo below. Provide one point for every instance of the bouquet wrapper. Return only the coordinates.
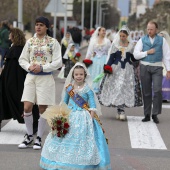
(98, 78)
(56, 111)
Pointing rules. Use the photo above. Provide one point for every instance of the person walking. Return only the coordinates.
(66, 40)
(84, 146)
(151, 50)
(165, 81)
(4, 39)
(40, 56)
(97, 52)
(120, 88)
(12, 82)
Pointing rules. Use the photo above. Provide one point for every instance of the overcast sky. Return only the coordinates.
(123, 5)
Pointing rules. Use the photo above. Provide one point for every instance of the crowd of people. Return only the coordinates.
(120, 70)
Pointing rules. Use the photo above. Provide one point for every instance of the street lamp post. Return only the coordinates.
(55, 19)
(65, 18)
(100, 14)
(20, 7)
(104, 16)
(91, 20)
(82, 15)
(97, 13)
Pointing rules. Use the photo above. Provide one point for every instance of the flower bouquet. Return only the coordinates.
(77, 56)
(58, 119)
(87, 62)
(107, 69)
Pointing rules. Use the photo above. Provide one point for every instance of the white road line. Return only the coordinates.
(165, 106)
(12, 133)
(144, 135)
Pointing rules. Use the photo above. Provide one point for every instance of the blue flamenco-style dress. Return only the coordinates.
(84, 147)
(98, 54)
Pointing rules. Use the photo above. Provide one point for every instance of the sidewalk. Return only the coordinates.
(84, 44)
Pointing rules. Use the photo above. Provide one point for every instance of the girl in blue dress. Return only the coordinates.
(84, 146)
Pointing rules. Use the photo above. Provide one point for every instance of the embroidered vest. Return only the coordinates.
(157, 45)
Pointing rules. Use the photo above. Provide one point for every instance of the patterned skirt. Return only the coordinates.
(84, 147)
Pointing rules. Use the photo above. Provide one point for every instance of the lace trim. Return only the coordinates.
(44, 165)
(93, 109)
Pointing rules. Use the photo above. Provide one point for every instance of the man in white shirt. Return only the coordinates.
(152, 50)
(40, 56)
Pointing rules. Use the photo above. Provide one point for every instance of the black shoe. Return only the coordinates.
(37, 144)
(27, 142)
(146, 119)
(155, 119)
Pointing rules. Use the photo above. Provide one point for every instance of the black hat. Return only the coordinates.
(43, 20)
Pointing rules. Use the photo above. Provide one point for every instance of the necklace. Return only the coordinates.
(78, 87)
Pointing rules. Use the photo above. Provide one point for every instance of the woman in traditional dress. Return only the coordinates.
(84, 146)
(121, 88)
(97, 52)
(66, 40)
(12, 82)
(165, 81)
(69, 57)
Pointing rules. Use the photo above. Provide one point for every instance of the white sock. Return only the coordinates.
(41, 126)
(28, 118)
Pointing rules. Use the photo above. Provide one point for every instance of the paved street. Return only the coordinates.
(133, 145)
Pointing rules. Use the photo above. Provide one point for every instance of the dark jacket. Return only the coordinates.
(4, 37)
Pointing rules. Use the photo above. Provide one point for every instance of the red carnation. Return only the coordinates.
(65, 131)
(59, 128)
(53, 128)
(87, 62)
(59, 134)
(59, 122)
(66, 125)
(78, 55)
(108, 69)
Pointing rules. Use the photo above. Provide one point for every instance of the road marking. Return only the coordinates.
(12, 133)
(165, 106)
(144, 135)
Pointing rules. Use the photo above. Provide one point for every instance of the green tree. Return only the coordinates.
(32, 9)
(8, 10)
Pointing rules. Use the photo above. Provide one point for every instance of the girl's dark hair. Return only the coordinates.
(78, 66)
(100, 29)
(125, 32)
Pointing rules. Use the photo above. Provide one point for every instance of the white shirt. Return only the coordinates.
(139, 54)
(45, 52)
